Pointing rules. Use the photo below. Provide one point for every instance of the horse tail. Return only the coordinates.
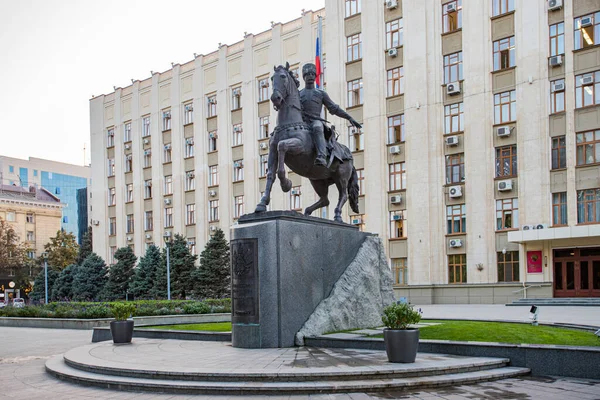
(353, 191)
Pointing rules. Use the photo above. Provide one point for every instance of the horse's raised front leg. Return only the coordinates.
(342, 186)
(292, 146)
(321, 187)
(271, 166)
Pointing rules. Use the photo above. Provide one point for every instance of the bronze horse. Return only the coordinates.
(291, 144)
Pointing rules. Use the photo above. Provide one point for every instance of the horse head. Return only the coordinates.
(282, 81)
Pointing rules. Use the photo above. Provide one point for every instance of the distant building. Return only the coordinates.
(61, 179)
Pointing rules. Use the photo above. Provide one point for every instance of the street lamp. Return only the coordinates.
(45, 257)
(167, 239)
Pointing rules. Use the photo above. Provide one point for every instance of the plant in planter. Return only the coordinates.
(122, 328)
(401, 342)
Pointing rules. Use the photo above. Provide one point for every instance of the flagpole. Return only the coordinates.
(320, 50)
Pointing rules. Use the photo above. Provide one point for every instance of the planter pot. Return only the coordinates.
(121, 331)
(401, 345)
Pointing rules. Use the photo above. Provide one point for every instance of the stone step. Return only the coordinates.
(558, 301)
(57, 367)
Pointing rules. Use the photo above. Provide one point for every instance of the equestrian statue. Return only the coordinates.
(307, 144)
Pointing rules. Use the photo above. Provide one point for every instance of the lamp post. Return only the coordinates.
(167, 239)
(45, 257)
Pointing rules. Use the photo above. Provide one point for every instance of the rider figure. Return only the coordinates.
(313, 100)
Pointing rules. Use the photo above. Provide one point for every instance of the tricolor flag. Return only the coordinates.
(319, 48)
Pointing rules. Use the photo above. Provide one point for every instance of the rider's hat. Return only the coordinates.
(310, 67)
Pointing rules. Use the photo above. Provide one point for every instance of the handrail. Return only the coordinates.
(524, 289)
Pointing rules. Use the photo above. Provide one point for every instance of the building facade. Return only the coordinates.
(61, 179)
(476, 160)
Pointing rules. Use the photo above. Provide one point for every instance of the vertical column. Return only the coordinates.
(138, 172)
(201, 145)
(570, 114)
(158, 179)
(99, 198)
(225, 140)
(119, 173)
(278, 198)
(178, 153)
(250, 128)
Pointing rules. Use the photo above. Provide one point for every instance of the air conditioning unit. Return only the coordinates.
(147, 152)
(452, 141)
(455, 191)
(397, 217)
(189, 107)
(587, 21)
(167, 234)
(453, 88)
(393, 52)
(503, 131)
(237, 129)
(148, 236)
(212, 100)
(146, 141)
(396, 199)
(451, 7)
(554, 5)
(264, 146)
(527, 227)
(505, 186)
(395, 150)
(455, 243)
(212, 135)
(127, 146)
(213, 228)
(148, 184)
(264, 84)
(356, 221)
(95, 222)
(238, 164)
(189, 141)
(555, 61)
(167, 147)
(212, 193)
(541, 226)
(586, 80)
(295, 192)
(129, 238)
(167, 202)
(559, 87)
(167, 115)
(236, 92)
(190, 174)
(391, 4)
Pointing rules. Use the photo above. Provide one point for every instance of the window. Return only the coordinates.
(213, 210)
(559, 153)
(148, 189)
(167, 154)
(29, 218)
(396, 133)
(35, 172)
(504, 53)
(456, 219)
(356, 139)
(189, 147)
(397, 228)
(238, 139)
(587, 89)
(455, 168)
(190, 180)
(128, 163)
(354, 44)
(395, 81)
(400, 271)
(57, 190)
(588, 206)
(352, 7)
(505, 107)
(588, 35)
(588, 147)
(111, 167)
(30, 236)
(112, 196)
(236, 98)
(146, 126)
(238, 206)
(355, 93)
(507, 214)
(188, 113)
(295, 199)
(394, 36)
(557, 39)
(557, 96)
(559, 209)
(502, 6)
(397, 176)
(113, 250)
(457, 268)
(168, 184)
(110, 137)
(11, 216)
(129, 192)
(147, 158)
(213, 175)
(454, 121)
(11, 169)
(166, 118)
(112, 226)
(238, 170)
(263, 89)
(211, 102)
(31, 256)
(212, 141)
(65, 219)
(127, 132)
(129, 227)
(508, 266)
(263, 127)
(506, 161)
(361, 181)
(169, 217)
(190, 214)
(452, 16)
(263, 165)
(148, 221)
(453, 67)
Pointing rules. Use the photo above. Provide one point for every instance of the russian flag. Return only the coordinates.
(319, 53)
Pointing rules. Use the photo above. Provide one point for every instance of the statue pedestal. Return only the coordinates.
(283, 265)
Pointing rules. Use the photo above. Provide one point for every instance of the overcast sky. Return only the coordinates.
(56, 54)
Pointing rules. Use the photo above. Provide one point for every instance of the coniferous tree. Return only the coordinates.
(86, 246)
(39, 285)
(63, 286)
(182, 267)
(159, 288)
(213, 277)
(90, 278)
(120, 275)
(145, 274)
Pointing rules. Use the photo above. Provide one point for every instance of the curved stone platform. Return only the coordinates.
(179, 366)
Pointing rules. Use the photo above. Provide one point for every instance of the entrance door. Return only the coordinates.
(577, 272)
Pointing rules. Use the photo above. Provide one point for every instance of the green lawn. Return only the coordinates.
(211, 327)
(504, 332)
